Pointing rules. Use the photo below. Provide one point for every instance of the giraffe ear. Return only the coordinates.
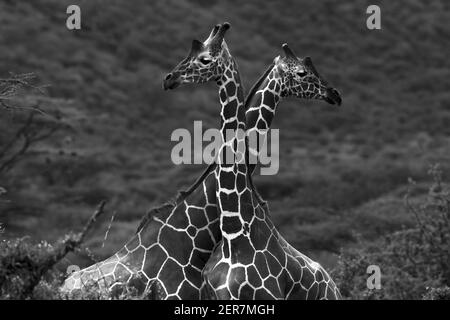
(279, 64)
(288, 52)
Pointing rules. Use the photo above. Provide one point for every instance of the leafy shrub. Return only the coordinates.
(414, 262)
(23, 265)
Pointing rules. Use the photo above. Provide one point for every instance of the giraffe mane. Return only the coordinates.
(253, 90)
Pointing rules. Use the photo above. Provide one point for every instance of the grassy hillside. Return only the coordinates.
(342, 171)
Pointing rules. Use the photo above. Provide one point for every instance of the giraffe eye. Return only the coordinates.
(301, 73)
(204, 60)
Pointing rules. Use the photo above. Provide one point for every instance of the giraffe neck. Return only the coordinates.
(231, 170)
(261, 104)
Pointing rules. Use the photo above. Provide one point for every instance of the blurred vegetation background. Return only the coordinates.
(343, 172)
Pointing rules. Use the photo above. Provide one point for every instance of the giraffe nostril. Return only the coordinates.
(168, 76)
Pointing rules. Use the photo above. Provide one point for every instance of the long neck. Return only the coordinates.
(231, 170)
(261, 106)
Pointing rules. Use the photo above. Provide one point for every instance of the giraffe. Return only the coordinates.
(165, 257)
(253, 261)
(149, 261)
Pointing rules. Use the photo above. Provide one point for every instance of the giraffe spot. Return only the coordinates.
(211, 213)
(137, 256)
(231, 224)
(330, 293)
(321, 290)
(267, 115)
(230, 110)
(261, 263)
(272, 85)
(193, 275)
(313, 292)
(217, 276)
(246, 292)
(247, 210)
(133, 243)
(253, 277)
(223, 95)
(277, 251)
(227, 180)
(269, 99)
(200, 199)
(223, 294)
(215, 229)
(307, 278)
(121, 272)
(192, 231)
(232, 125)
(177, 244)
(243, 251)
(274, 265)
(198, 217)
(225, 250)
(210, 184)
(171, 275)
(319, 276)
(246, 228)
(241, 181)
(229, 202)
(179, 219)
(231, 89)
(298, 293)
(259, 233)
(150, 235)
(282, 282)
(229, 74)
(199, 259)
(261, 124)
(294, 269)
(252, 118)
(271, 284)
(263, 294)
(277, 88)
(304, 86)
(155, 258)
(289, 282)
(237, 277)
(203, 240)
(187, 291)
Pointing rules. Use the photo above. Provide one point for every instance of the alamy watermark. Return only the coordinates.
(263, 147)
(373, 21)
(374, 280)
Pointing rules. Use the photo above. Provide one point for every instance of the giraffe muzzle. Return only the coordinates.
(171, 81)
(333, 96)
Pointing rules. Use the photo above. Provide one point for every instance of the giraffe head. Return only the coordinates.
(300, 78)
(205, 62)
